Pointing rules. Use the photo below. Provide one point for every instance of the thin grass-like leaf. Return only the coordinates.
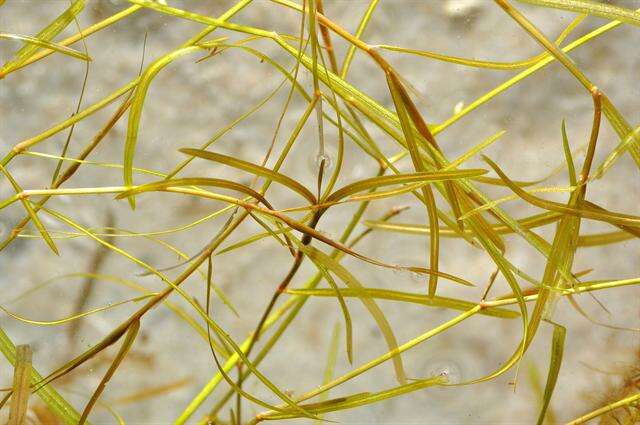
(173, 307)
(57, 322)
(292, 306)
(80, 35)
(427, 193)
(129, 338)
(21, 386)
(135, 113)
(118, 332)
(194, 181)
(42, 43)
(382, 181)
(331, 363)
(386, 294)
(253, 169)
(571, 169)
(531, 222)
(557, 348)
(474, 151)
(46, 35)
(150, 393)
(54, 401)
(343, 306)
(381, 359)
(585, 212)
(627, 144)
(487, 64)
(30, 211)
(599, 239)
(615, 118)
(626, 401)
(366, 17)
(602, 10)
(368, 302)
(494, 203)
(357, 400)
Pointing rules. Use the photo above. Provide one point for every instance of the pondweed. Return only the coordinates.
(314, 190)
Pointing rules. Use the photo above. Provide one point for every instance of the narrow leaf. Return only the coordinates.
(49, 45)
(21, 386)
(130, 337)
(557, 349)
(253, 169)
(30, 211)
(368, 302)
(47, 34)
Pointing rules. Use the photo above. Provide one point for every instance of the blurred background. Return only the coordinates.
(189, 102)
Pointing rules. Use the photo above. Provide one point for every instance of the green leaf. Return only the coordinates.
(43, 43)
(54, 401)
(29, 209)
(357, 400)
(194, 181)
(404, 118)
(257, 170)
(47, 34)
(135, 112)
(382, 181)
(351, 281)
(557, 349)
(407, 297)
(602, 10)
(573, 180)
(129, 338)
(343, 306)
(585, 212)
(21, 385)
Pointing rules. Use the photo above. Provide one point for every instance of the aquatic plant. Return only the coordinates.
(321, 224)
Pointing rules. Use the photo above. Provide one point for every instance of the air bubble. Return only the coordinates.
(417, 277)
(316, 161)
(461, 8)
(403, 272)
(398, 271)
(455, 364)
(446, 369)
(458, 108)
